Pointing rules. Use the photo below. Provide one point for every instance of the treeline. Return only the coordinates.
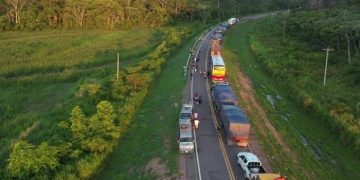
(87, 138)
(120, 14)
(111, 14)
(338, 28)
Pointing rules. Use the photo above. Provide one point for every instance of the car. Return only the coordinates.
(221, 31)
(250, 165)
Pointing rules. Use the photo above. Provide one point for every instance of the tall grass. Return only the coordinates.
(320, 154)
(152, 134)
(300, 66)
(40, 74)
(32, 53)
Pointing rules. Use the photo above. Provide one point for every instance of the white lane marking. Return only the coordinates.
(192, 103)
(197, 155)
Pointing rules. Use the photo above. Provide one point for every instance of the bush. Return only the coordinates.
(88, 165)
(26, 159)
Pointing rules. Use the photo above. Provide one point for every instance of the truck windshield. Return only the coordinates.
(185, 116)
(185, 139)
(219, 68)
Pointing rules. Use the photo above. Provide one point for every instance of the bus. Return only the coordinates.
(217, 69)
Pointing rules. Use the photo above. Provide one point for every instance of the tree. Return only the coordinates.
(137, 81)
(16, 7)
(119, 88)
(111, 12)
(104, 120)
(52, 11)
(78, 124)
(26, 159)
(76, 11)
(101, 129)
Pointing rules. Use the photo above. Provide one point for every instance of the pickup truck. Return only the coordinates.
(250, 164)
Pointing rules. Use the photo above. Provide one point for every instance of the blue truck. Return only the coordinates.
(236, 125)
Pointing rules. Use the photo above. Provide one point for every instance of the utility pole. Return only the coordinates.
(327, 57)
(117, 66)
(218, 6)
(284, 26)
(348, 47)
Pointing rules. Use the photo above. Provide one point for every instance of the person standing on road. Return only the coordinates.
(196, 123)
(195, 116)
(196, 98)
(200, 100)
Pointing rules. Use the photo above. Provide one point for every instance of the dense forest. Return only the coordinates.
(120, 14)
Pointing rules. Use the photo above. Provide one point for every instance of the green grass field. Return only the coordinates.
(153, 133)
(40, 74)
(319, 152)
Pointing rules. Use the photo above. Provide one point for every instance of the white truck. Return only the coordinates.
(250, 164)
(186, 139)
(233, 21)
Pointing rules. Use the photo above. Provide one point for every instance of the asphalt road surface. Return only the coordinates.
(216, 159)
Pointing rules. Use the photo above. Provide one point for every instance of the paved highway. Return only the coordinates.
(216, 160)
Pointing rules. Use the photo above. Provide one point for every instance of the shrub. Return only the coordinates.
(88, 165)
(26, 159)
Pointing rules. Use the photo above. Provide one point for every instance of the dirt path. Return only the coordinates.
(254, 109)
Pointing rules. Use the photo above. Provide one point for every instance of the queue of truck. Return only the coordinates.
(233, 119)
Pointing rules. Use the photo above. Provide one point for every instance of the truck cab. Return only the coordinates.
(250, 164)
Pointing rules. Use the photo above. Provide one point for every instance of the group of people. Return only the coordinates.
(195, 60)
(194, 63)
(195, 67)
